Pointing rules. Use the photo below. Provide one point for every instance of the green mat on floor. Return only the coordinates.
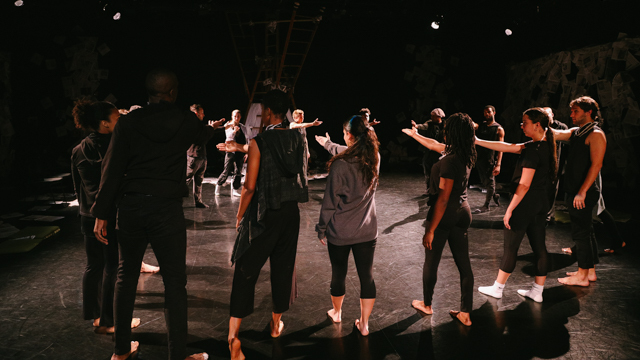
(27, 238)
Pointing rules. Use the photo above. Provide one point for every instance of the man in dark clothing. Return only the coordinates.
(587, 146)
(197, 162)
(489, 161)
(144, 177)
(553, 191)
(432, 129)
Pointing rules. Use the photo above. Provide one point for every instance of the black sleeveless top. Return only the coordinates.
(578, 162)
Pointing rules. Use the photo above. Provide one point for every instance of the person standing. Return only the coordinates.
(587, 146)
(526, 214)
(268, 219)
(233, 161)
(432, 129)
(449, 214)
(489, 161)
(553, 191)
(348, 220)
(144, 179)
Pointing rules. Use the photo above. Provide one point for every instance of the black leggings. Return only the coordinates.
(363, 257)
(529, 217)
(452, 227)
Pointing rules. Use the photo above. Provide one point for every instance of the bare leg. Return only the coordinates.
(503, 277)
(146, 268)
(134, 348)
(540, 280)
(581, 278)
(234, 342)
(592, 274)
(276, 325)
(420, 306)
(366, 306)
(336, 313)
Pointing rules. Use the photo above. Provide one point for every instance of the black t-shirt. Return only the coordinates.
(535, 155)
(450, 167)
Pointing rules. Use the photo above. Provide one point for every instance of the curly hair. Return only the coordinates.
(587, 103)
(459, 138)
(540, 115)
(88, 113)
(364, 150)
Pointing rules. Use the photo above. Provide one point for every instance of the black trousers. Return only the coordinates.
(363, 257)
(427, 164)
(278, 243)
(452, 227)
(195, 173)
(232, 164)
(582, 230)
(144, 220)
(485, 172)
(99, 280)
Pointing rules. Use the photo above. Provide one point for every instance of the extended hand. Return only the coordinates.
(323, 139)
(411, 132)
(316, 122)
(215, 124)
(413, 124)
(374, 122)
(230, 146)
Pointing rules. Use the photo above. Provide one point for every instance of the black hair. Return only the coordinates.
(364, 150)
(587, 103)
(88, 113)
(278, 102)
(460, 137)
(539, 115)
(161, 81)
(490, 107)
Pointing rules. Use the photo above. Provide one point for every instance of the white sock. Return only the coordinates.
(536, 289)
(498, 286)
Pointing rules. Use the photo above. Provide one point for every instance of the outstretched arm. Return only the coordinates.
(429, 143)
(500, 146)
(563, 135)
(295, 125)
(233, 146)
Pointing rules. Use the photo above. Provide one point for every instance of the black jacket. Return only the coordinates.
(86, 169)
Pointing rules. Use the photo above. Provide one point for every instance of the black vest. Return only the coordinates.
(578, 163)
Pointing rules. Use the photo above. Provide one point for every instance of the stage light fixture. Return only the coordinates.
(435, 25)
(117, 16)
(18, 3)
(508, 32)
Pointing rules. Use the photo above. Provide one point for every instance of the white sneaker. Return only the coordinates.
(491, 291)
(236, 192)
(527, 293)
(217, 189)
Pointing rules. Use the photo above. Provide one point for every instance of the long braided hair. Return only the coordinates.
(459, 138)
(364, 150)
(539, 115)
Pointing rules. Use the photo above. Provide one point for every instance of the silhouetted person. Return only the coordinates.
(433, 129)
(489, 161)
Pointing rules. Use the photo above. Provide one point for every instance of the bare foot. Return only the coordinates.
(574, 280)
(146, 268)
(567, 251)
(234, 348)
(335, 316)
(276, 332)
(134, 348)
(364, 331)
(96, 322)
(591, 277)
(200, 356)
(462, 317)
(135, 322)
(614, 251)
(420, 306)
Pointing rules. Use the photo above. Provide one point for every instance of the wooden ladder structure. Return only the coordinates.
(271, 51)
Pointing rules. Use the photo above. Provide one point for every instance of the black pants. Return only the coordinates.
(278, 243)
(582, 230)
(99, 280)
(195, 173)
(363, 257)
(452, 227)
(427, 164)
(529, 217)
(232, 164)
(611, 229)
(160, 222)
(485, 172)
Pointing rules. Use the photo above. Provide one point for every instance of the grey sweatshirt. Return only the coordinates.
(348, 214)
(333, 148)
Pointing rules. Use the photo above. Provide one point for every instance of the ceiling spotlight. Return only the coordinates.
(508, 32)
(435, 25)
(117, 16)
(18, 3)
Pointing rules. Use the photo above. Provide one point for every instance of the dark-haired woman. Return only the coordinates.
(98, 283)
(449, 216)
(526, 214)
(348, 217)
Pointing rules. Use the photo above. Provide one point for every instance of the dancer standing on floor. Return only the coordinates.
(449, 216)
(197, 160)
(99, 280)
(144, 178)
(432, 128)
(233, 161)
(587, 146)
(527, 212)
(268, 219)
(348, 217)
(489, 161)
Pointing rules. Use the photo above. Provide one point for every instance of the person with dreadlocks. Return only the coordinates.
(534, 173)
(449, 216)
(348, 217)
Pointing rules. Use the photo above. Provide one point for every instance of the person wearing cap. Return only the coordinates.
(432, 128)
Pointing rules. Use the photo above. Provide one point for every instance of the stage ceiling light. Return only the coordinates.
(508, 32)
(435, 25)
(117, 16)
(18, 3)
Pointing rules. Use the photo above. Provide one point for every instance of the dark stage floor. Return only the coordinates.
(40, 295)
